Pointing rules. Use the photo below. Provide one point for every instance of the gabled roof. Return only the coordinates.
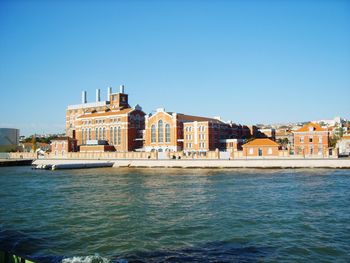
(316, 128)
(261, 142)
(108, 113)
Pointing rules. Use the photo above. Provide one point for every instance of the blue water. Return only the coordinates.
(176, 215)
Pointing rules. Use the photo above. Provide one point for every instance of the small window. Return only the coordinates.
(320, 139)
(302, 139)
(251, 151)
(310, 139)
(269, 150)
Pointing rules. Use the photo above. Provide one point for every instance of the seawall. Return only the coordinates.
(250, 163)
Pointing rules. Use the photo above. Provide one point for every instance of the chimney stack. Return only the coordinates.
(121, 89)
(109, 92)
(98, 98)
(83, 97)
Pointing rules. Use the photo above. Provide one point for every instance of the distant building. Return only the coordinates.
(9, 139)
(62, 145)
(337, 121)
(171, 131)
(28, 146)
(267, 133)
(344, 145)
(285, 133)
(261, 147)
(205, 135)
(311, 140)
(112, 121)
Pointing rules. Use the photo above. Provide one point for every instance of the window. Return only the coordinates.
(302, 139)
(104, 134)
(320, 139)
(153, 133)
(96, 134)
(269, 150)
(167, 133)
(82, 136)
(320, 150)
(251, 151)
(90, 134)
(310, 139)
(115, 135)
(100, 134)
(160, 131)
(119, 135)
(111, 135)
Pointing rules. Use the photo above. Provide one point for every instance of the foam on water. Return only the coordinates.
(86, 259)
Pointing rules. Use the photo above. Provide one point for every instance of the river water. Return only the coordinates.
(176, 215)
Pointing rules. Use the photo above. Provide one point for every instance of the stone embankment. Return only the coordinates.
(250, 163)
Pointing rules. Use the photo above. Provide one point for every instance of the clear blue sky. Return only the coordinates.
(246, 61)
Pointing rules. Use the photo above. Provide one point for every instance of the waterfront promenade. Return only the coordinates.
(250, 163)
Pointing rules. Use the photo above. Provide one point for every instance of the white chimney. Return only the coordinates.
(109, 92)
(83, 97)
(121, 89)
(98, 98)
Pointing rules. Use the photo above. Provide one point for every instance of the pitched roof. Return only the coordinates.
(261, 142)
(108, 113)
(306, 128)
(196, 118)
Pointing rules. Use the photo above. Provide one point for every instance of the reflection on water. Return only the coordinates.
(175, 215)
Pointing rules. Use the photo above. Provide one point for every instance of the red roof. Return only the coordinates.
(261, 142)
(315, 128)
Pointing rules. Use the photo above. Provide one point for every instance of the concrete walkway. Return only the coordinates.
(250, 163)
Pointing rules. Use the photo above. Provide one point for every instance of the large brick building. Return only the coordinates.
(311, 140)
(111, 122)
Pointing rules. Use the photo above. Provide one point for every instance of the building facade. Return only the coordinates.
(204, 136)
(311, 140)
(9, 139)
(262, 147)
(111, 122)
(62, 145)
(344, 145)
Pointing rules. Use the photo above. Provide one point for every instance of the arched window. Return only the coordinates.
(100, 134)
(111, 136)
(167, 133)
(119, 135)
(104, 134)
(115, 135)
(153, 133)
(82, 136)
(160, 131)
(90, 134)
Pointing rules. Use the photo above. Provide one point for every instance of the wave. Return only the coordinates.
(87, 259)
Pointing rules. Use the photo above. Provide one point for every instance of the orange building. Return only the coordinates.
(206, 135)
(164, 131)
(263, 147)
(112, 122)
(63, 145)
(311, 140)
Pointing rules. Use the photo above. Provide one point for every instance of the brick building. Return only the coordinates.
(63, 145)
(262, 147)
(112, 122)
(311, 140)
